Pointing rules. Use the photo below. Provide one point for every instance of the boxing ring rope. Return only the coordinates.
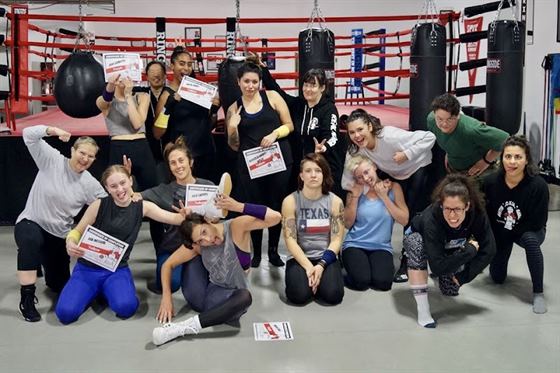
(369, 46)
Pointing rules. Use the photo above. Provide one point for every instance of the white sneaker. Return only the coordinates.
(170, 331)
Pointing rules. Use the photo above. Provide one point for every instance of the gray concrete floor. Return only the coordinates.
(488, 328)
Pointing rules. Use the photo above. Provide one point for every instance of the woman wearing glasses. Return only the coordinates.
(454, 235)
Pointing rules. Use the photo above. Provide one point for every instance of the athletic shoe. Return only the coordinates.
(401, 275)
(27, 305)
(224, 187)
(170, 331)
(274, 257)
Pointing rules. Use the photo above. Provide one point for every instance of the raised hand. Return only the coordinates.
(320, 146)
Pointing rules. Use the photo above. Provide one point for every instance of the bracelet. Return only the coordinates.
(322, 263)
(282, 131)
(107, 96)
(487, 161)
(75, 235)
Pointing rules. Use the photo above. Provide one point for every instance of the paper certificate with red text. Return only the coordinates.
(198, 92)
(200, 199)
(102, 249)
(273, 331)
(264, 161)
(125, 64)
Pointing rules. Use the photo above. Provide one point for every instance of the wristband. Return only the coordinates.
(75, 235)
(329, 257)
(282, 131)
(257, 211)
(487, 161)
(107, 96)
(162, 120)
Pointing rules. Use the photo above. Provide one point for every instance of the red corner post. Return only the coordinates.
(20, 83)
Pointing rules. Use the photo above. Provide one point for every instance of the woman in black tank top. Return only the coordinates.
(260, 118)
(120, 217)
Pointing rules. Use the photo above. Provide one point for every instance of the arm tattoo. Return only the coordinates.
(290, 229)
(233, 139)
(337, 220)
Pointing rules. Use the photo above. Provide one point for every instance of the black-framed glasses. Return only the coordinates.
(455, 210)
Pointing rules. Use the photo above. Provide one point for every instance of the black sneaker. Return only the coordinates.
(256, 261)
(27, 305)
(401, 274)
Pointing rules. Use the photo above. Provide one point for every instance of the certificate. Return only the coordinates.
(126, 64)
(102, 249)
(197, 92)
(273, 331)
(200, 199)
(264, 161)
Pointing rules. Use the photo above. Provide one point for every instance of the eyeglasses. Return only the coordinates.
(447, 120)
(455, 210)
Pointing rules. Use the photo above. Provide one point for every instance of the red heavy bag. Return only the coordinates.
(78, 83)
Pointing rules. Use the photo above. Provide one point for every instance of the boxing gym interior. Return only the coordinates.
(385, 57)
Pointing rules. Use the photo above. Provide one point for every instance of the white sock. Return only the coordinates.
(539, 304)
(420, 293)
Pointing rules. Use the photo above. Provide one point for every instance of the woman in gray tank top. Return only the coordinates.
(312, 218)
(217, 255)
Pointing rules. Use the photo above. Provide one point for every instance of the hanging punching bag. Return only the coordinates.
(427, 71)
(78, 82)
(228, 88)
(504, 75)
(316, 51)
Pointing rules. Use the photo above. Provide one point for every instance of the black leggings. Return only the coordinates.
(269, 190)
(35, 247)
(330, 290)
(368, 268)
(217, 305)
(531, 242)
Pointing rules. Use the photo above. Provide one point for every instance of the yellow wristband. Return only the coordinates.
(75, 235)
(282, 131)
(162, 120)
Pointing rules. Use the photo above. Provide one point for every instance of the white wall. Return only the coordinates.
(544, 39)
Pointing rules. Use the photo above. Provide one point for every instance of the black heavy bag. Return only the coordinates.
(504, 75)
(78, 83)
(427, 71)
(316, 51)
(227, 81)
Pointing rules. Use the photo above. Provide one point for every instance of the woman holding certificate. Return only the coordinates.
(179, 117)
(217, 257)
(117, 220)
(258, 124)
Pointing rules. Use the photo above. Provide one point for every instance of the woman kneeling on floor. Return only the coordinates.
(217, 256)
(118, 216)
(372, 207)
(312, 218)
(454, 235)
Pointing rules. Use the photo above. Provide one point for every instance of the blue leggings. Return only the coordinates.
(86, 283)
(176, 275)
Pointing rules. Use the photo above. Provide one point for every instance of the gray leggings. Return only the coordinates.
(417, 259)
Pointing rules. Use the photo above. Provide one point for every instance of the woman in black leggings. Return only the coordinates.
(312, 218)
(517, 205)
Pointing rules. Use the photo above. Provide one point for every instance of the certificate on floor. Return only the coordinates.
(273, 331)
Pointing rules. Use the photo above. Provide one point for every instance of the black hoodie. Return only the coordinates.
(448, 249)
(319, 121)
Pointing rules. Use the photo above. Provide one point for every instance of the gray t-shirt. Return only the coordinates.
(313, 223)
(222, 263)
(165, 196)
(58, 192)
(118, 122)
